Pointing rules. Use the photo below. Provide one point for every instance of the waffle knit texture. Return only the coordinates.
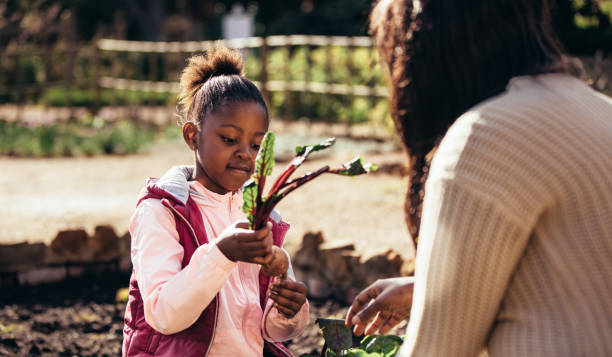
(515, 250)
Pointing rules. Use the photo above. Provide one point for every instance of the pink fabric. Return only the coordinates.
(173, 298)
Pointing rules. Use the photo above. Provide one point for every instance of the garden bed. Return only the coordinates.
(81, 317)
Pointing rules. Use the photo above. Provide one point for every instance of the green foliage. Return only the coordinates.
(302, 152)
(265, 158)
(331, 64)
(337, 335)
(356, 167)
(256, 206)
(249, 198)
(84, 138)
(339, 341)
(62, 96)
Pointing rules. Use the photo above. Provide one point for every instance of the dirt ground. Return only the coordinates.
(81, 318)
(39, 197)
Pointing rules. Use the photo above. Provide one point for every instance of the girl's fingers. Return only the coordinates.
(289, 285)
(289, 313)
(293, 305)
(262, 259)
(264, 232)
(293, 295)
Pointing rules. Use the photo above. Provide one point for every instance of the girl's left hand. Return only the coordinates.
(288, 296)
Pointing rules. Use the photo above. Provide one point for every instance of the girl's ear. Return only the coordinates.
(190, 131)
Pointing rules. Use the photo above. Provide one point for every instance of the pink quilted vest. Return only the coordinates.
(139, 338)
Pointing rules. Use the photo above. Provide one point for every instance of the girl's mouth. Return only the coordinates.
(240, 169)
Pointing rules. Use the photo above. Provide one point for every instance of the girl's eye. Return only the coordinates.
(228, 140)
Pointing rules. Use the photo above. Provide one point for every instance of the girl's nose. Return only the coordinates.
(243, 154)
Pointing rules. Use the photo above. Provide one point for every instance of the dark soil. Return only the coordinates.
(80, 317)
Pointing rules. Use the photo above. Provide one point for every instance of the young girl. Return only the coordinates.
(196, 287)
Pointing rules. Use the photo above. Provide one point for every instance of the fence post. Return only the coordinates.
(263, 55)
(289, 111)
(18, 86)
(95, 81)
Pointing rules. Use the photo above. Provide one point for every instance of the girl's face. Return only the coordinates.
(227, 144)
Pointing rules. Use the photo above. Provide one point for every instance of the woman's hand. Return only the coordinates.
(387, 302)
(288, 296)
(239, 243)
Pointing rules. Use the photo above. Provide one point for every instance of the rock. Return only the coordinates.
(317, 288)
(125, 259)
(384, 265)
(307, 255)
(69, 246)
(42, 275)
(104, 245)
(335, 269)
(16, 257)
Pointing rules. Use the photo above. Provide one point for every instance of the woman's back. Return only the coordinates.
(525, 180)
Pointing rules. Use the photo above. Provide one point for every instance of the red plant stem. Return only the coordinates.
(293, 184)
(260, 188)
(263, 211)
(258, 200)
(282, 179)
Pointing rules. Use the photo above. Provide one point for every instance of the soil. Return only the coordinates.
(80, 317)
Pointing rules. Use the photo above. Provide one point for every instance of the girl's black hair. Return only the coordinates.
(208, 83)
(445, 56)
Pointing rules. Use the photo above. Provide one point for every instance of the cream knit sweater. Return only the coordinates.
(515, 252)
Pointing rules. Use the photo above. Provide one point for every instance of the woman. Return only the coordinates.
(515, 245)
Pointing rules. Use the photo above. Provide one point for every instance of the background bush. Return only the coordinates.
(87, 137)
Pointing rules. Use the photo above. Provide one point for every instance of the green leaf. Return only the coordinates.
(302, 152)
(355, 167)
(249, 200)
(330, 353)
(265, 158)
(337, 335)
(386, 345)
(358, 352)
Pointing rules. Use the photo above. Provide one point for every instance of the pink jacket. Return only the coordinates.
(169, 313)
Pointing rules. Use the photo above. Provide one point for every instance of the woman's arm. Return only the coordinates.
(173, 297)
(468, 249)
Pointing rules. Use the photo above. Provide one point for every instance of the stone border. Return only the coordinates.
(72, 253)
(330, 270)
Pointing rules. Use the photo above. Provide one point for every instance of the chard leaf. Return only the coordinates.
(265, 157)
(355, 167)
(337, 335)
(302, 152)
(385, 345)
(358, 352)
(249, 200)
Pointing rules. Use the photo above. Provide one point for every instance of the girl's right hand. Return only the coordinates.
(239, 243)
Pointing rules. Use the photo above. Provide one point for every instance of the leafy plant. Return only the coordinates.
(258, 207)
(339, 342)
(75, 138)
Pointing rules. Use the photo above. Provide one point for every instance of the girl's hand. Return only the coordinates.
(387, 302)
(288, 296)
(239, 243)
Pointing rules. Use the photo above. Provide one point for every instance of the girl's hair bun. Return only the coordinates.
(199, 69)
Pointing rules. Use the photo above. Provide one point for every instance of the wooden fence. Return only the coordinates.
(118, 73)
(295, 73)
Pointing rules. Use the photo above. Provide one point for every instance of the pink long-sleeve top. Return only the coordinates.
(174, 298)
